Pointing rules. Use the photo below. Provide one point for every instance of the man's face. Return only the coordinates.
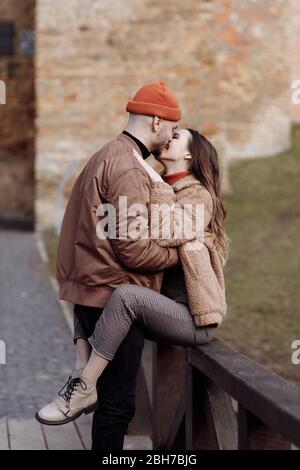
(164, 134)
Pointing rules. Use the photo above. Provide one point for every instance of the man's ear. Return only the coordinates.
(156, 123)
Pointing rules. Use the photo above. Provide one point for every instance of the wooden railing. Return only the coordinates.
(212, 397)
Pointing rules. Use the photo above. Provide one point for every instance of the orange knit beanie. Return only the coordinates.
(155, 99)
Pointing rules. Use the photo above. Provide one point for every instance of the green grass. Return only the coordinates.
(263, 272)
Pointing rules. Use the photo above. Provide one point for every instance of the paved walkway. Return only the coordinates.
(39, 352)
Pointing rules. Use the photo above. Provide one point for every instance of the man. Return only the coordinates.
(90, 267)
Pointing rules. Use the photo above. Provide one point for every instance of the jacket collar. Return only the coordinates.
(128, 141)
(185, 182)
(144, 150)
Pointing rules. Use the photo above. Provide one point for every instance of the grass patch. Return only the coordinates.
(263, 272)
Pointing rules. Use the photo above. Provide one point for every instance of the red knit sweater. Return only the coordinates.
(171, 178)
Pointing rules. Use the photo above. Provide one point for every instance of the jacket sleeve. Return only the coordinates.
(133, 245)
(178, 221)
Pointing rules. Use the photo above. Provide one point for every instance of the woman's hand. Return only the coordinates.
(155, 177)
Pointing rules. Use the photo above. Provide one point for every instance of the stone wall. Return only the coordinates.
(17, 132)
(225, 59)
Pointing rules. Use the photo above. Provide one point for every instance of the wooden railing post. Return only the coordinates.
(142, 421)
(274, 403)
(210, 418)
(254, 434)
(168, 386)
(189, 406)
(193, 393)
(196, 429)
(221, 418)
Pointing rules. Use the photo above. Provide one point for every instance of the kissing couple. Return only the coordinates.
(124, 289)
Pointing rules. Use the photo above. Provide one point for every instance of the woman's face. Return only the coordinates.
(177, 148)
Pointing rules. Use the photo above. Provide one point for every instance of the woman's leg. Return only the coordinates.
(76, 396)
(166, 320)
(83, 353)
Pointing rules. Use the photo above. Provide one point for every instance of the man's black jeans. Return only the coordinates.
(117, 385)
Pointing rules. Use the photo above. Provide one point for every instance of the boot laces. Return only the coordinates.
(70, 386)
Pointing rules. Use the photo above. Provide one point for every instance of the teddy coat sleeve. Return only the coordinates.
(200, 261)
(173, 216)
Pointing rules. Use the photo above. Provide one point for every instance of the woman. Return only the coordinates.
(192, 300)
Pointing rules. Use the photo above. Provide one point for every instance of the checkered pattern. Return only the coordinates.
(163, 320)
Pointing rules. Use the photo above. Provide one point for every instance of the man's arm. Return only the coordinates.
(137, 254)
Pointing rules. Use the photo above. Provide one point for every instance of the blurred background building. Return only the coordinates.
(17, 116)
(70, 68)
(231, 64)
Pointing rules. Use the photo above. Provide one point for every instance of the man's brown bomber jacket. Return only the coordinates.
(89, 267)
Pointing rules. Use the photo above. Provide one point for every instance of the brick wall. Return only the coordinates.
(17, 134)
(226, 60)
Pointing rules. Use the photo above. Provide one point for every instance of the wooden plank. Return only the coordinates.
(4, 443)
(168, 383)
(268, 396)
(189, 409)
(63, 437)
(253, 434)
(221, 417)
(141, 423)
(242, 428)
(176, 437)
(25, 434)
(198, 433)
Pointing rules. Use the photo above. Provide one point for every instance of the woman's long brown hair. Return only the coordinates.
(206, 168)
